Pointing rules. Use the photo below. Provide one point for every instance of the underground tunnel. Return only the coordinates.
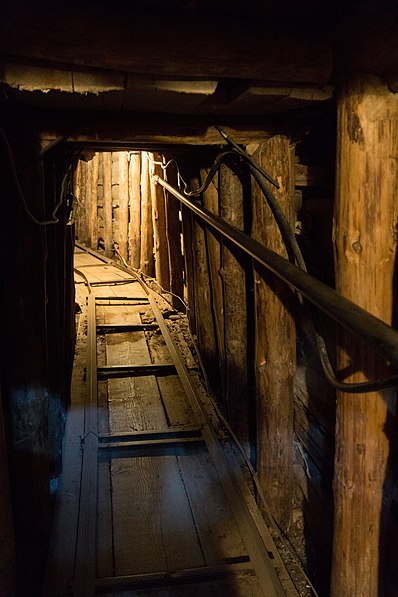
(198, 245)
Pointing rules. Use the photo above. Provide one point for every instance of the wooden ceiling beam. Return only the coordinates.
(135, 128)
(159, 44)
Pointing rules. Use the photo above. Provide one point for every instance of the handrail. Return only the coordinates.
(365, 326)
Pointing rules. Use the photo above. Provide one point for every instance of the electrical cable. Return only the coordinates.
(10, 155)
(295, 254)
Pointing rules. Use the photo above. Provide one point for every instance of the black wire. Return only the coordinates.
(296, 255)
(10, 155)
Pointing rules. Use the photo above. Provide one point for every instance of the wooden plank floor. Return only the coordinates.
(164, 524)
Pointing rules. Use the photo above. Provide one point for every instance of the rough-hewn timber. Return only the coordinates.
(366, 218)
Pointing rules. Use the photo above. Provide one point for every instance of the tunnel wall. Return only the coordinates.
(37, 322)
(231, 305)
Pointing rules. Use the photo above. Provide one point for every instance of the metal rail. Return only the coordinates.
(365, 326)
(261, 552)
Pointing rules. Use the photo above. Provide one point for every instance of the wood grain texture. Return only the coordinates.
(189, 271)
(174, 230)
(212, 203)
(92, 194)
(366, 218)
(146, 259)
(108, 210)
(153, 525)
(275, 338)
(162, 269)
(135, 209)
(123, 211)
(233, 277)
(123, 40)
(205, 328)
(218, 533)
(82, 222)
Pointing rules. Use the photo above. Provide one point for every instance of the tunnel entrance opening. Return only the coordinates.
(121, 212)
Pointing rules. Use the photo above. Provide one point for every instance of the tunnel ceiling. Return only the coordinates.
(199, 59)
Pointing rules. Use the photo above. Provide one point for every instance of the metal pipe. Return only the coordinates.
(365, 326)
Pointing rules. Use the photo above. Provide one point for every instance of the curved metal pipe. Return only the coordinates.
(365, 326)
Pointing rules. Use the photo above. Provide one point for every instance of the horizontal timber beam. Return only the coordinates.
(164, 44)
(159, 579)
(112, 371)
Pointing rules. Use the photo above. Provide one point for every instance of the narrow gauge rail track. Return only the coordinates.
(152, 502)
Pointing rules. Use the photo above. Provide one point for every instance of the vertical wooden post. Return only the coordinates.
(88, 201)
(76, 195)
(211, 202)
(123, 203)
(366, 215)
(205, 328)
(108, 211)
(159, 224)
(187, 235)
(93, 229)
(7, 556)
(173, 225)
(135, 209)
(82, 226)
(235, 305)
(146, 259)
(275, 338)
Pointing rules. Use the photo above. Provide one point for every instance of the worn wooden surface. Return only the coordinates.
(204, 313)
(174, 229)
(189, 278)
(162, 269)
(123, 216)
(108, 211)
(212, 203)
(365, 242)
(123, 42)
(135, 209)
(158, 512)
(92, 195)
(146, 260)
(235, 309)
(275, 338)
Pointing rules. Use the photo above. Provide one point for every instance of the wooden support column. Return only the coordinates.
(234, 304)
(366, 220)
(212, 203)
(174, 240)
(81, 223)
(275, 338)
(93, 220)
(135, 209)
(204, 312)
(159, 224)
(108, 211)
(146, 259)
(123, 203)
(189, 271)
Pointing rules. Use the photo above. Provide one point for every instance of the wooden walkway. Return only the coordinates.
(152, 502)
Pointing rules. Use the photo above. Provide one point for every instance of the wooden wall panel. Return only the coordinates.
(275, 338)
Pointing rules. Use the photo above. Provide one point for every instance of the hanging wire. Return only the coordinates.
(295, 255)
(140, 273)
(55, 219)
